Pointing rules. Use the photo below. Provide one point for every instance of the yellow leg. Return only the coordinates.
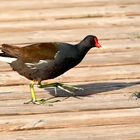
(34, 99)
(33, 96)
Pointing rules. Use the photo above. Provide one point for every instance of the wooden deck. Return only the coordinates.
(105, 110)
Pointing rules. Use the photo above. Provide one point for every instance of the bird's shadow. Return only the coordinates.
(94, 88)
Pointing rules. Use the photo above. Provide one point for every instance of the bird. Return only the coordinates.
(46, 60)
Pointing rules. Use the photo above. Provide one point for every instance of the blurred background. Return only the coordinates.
(23, 21)
(110, 75)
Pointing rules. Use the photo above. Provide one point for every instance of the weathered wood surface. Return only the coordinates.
(105, 110)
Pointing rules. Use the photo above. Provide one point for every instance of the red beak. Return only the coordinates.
(98, 45)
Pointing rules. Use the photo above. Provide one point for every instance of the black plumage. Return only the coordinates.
(42, 61)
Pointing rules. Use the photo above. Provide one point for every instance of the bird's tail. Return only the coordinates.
(9, 50)
(7, 54)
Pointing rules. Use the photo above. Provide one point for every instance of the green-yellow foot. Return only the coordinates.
(68, 88)
(37, 101)
(47, 102)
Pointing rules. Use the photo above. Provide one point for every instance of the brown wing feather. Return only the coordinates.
(10, 50)
(32, 53)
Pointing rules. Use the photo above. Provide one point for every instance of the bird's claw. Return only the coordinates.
(42, 102)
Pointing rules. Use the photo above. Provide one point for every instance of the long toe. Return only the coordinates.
(68, 88)
(48, 102)
(71, 87)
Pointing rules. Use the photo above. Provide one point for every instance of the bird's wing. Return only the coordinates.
(32, 53)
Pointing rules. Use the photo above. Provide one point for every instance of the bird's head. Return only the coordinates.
(91, 41)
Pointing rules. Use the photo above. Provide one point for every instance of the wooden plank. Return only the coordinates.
(16, 4)
(28, 38)
(42, 35)
(112, 132)
(17, 107)
(102, 73)
(115, 87)
(73, 6)
(110, 59)
(110, 75)
(67, 24)
(68, 120)
(70, 12)
(96, 96)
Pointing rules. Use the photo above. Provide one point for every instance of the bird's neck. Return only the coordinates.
(83, 48)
